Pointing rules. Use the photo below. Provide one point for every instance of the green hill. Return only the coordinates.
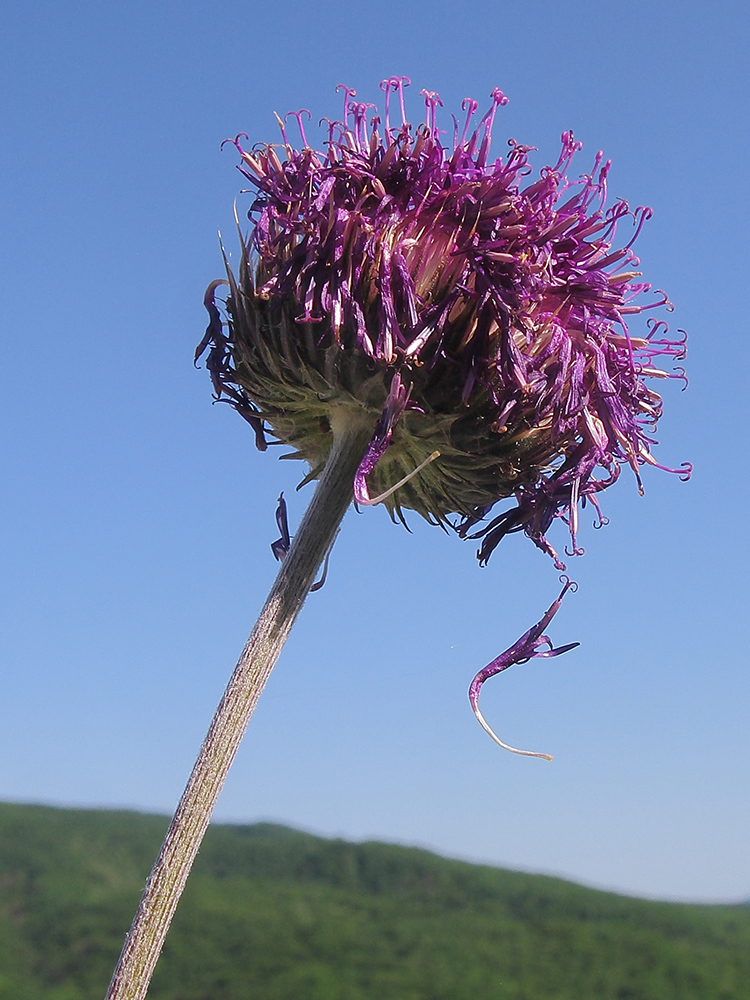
(274, 914)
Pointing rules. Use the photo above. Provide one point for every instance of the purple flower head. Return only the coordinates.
(470, 309)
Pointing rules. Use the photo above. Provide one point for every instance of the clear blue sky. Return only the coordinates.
(137, 517)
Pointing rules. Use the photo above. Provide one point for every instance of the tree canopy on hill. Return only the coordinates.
(276, 914)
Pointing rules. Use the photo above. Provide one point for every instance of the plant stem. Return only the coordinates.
(131, 978)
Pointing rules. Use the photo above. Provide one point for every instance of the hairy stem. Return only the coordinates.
(332, 497)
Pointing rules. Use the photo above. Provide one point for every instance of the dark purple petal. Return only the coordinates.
(281, 546)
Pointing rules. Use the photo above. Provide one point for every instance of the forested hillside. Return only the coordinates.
(274, 914)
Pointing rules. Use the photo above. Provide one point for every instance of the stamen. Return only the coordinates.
(402, 81)
(499, 100)
(469, 105)
(282, 128)
(419, 341)
(395, 83)
(236, 141)
(431, 100)
(298, 116)
(642, 214)
(360, 124)
(348, 93)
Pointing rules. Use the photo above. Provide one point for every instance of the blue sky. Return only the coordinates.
(137, 517)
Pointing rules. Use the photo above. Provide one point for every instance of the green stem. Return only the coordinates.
(315, 536)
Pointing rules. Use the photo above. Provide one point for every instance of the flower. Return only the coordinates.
(464, 308)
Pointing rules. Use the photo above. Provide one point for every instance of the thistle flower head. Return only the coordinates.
(463, 306)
